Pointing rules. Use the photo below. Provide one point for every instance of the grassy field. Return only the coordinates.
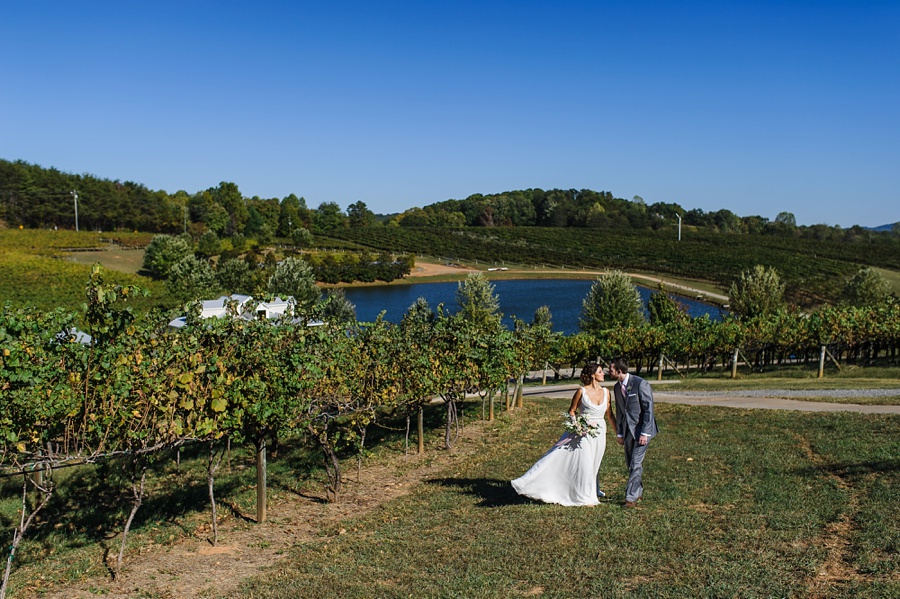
(892, 277)
(37, 270)
(129, 261)
(738, 504)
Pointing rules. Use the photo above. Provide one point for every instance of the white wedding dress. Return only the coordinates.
(567, 474)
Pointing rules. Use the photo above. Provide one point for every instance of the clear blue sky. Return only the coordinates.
(758, 107)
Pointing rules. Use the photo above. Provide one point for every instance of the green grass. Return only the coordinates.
(127, 261)
(34, 271)
(738, 504)
(892, 277)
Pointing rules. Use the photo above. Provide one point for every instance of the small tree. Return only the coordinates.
(477, 302)
(419, 356)
(192, 278)
(294, 277)
(233, 276)
(664, 309)
(758, 292)
(301, 237)
(209, 245)
(787, 219)
(337, 308)
(866, 288)
(613, 301)
(164, 252)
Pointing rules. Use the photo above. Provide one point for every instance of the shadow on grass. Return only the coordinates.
(492, 492)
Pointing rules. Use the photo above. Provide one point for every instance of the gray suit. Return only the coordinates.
(634, 417)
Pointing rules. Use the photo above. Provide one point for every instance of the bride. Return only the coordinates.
(567, 474)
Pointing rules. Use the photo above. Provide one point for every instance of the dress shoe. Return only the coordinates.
(629, 504)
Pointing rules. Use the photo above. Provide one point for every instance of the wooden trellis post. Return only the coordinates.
(734, 360)
(822, 362)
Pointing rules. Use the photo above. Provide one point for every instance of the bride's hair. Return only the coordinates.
(587, 373)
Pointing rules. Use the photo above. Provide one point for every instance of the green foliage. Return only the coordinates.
(192, 278)
(24, 276)
(294, 277)
(233, 276)
(359, 215)
(337, 308)
(301, 237)
(664, 309)
(209, 245)
(613, 301)
(347, 267)
(787, 219)
(292, 215)
(535, 343)
(163, 253)
(477, 302)
(329, 217)
(39, 375)
(866, 288)
(757, 293)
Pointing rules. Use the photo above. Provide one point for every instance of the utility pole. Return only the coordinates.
(679, 226)
(75, 194)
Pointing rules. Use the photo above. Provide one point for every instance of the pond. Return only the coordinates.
(520, 298)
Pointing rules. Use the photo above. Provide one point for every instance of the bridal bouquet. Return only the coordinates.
(580, 426)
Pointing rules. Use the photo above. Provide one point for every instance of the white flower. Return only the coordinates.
(579, 425)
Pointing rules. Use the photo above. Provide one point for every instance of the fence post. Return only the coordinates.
(822, 362)
(734, 360)
(520, 383)
(660, 368)
(261, 482)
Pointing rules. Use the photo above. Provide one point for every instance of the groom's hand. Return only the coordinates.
(643, 440)
(620, 440)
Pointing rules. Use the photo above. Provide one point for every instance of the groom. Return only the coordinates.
(635, 425)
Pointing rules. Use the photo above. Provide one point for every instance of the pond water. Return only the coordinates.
(520, 298)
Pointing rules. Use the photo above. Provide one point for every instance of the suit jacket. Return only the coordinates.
(634, 408)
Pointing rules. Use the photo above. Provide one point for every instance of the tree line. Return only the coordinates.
(36, 197)
(190, 273)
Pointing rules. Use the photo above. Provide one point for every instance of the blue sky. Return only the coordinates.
(757, 107)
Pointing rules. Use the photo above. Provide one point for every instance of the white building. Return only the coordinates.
(219, 308)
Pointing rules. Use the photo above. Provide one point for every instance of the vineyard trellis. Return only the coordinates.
(139, 388)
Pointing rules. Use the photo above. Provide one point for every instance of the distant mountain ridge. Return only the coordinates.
(883, 228)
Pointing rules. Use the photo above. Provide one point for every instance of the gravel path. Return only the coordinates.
(790, 393)
(764, 399)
